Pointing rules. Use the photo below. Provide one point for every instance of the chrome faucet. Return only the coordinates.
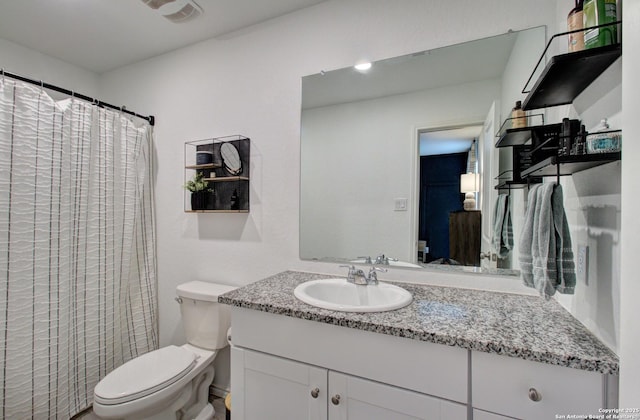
(382, 259)
(358, 276)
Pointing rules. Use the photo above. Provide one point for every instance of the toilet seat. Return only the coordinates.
(145, 375)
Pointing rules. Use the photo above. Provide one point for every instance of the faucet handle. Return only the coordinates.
(373, 269)
(352, 272)
(373, 274)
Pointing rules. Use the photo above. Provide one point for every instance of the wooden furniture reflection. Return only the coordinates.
(464, 237)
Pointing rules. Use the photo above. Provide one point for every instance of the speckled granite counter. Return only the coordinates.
(527, 327)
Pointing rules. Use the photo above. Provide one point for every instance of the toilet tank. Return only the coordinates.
(205, 321)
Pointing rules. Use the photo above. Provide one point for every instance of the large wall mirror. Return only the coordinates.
(369, 138)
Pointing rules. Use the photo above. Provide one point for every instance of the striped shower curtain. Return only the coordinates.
(78, 292)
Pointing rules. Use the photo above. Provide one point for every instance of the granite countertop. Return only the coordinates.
(513, 325)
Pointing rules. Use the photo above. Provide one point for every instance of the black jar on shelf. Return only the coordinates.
(199, 200)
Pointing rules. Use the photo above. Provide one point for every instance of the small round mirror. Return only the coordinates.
(231, 158)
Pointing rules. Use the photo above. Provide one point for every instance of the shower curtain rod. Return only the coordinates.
(150, 118)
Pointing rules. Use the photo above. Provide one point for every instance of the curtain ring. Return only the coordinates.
(41, 86)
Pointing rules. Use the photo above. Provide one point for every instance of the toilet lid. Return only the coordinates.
(145, 375)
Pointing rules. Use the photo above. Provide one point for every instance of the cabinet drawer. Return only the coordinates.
(502, 384)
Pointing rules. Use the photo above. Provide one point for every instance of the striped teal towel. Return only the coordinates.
(526, 238)
(566, 279)
(546, 257)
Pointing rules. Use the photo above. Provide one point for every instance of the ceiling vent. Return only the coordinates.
(177, 11)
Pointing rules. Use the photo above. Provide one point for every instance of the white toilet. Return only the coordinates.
(172, 382)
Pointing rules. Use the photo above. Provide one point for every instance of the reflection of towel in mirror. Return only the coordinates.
(546, 258)
(502, 240)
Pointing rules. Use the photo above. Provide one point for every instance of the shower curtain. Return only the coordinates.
(78, 292)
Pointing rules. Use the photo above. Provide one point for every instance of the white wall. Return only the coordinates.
(26, 62)
(338, 209)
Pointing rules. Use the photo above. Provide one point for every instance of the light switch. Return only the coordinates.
(400, 204)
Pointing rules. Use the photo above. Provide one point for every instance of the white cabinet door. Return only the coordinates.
(265, 387)
(354, 398)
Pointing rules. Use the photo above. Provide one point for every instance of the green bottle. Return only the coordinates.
(599, 12)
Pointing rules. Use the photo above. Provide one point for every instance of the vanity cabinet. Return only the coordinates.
(434, 359)
(277, 362)
(277, 388)
(224, 164)
(284, 367)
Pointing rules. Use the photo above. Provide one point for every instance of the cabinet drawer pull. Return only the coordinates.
(315, 392)
(534, 395)
(335, 399)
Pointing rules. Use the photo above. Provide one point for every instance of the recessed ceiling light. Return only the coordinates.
(362, 66)
(177, 11)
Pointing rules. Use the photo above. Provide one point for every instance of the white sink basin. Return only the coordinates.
(339, 295)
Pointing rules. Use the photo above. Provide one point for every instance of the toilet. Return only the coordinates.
(172, 382)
